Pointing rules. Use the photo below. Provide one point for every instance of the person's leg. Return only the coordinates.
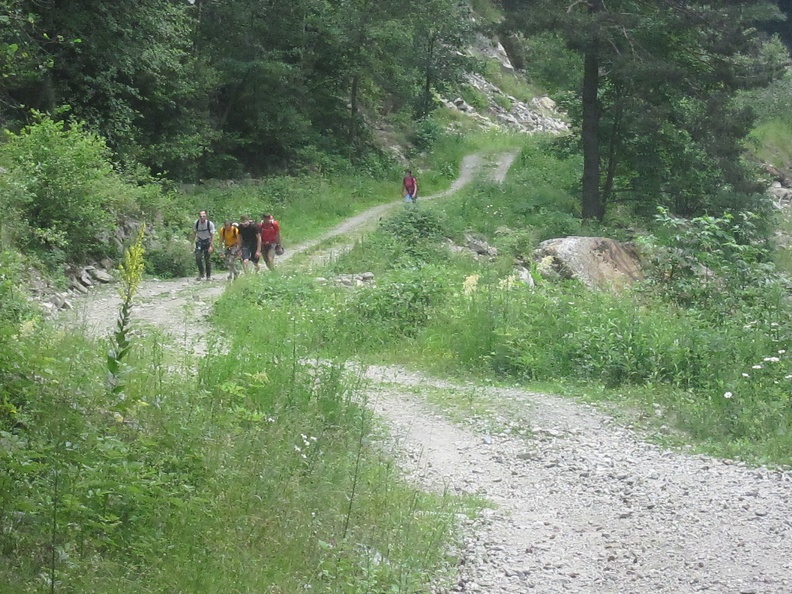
(208, 261)
(269, 256)
(199, 261)
(245, 259)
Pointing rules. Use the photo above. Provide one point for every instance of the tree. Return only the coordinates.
(658, 76)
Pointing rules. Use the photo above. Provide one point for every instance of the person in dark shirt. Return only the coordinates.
(251, 243)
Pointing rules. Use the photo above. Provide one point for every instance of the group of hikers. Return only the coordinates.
(248, 242)
(245, 243)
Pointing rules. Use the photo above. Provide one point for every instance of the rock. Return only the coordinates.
(481, 247)
(597, 262)
(78, 287)
(524, 275)
(85, 278)
(100, 275)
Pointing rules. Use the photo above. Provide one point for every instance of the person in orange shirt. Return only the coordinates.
(229, 235)
(269, 229)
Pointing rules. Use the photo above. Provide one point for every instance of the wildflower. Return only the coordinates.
(771, 359)
(297, 448)
(745, 375)
(727, 394)
(788, 377)
(470, 284)
(756, 367)
(774, 324)
(781, 352)
(508, 282)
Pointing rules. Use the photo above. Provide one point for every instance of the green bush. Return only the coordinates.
(15, 307)
(65, 193)
(171, 258)
(398, 306)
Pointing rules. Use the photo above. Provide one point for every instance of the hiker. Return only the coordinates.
(203, 236)
(229, 235)
(250, 243)
(410, 187)
(269, 229)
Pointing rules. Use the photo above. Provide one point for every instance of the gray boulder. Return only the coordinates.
(597, 262)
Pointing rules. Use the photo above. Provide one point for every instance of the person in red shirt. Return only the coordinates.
(269, 229)
(410, 187)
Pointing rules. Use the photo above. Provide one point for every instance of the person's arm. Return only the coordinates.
(277, 234)
(258, 243)
(211, 236)
(415, 185)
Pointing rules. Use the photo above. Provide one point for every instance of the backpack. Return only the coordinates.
(209, 225)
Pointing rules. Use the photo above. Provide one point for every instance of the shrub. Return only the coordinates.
(171, 258)
(66, 192)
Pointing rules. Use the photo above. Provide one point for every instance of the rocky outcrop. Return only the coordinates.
(79, 281)
(597, 262)
(506, 111)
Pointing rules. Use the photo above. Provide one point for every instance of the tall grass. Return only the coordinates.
(260, 474)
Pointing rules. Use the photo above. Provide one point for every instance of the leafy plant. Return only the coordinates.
(131, 274)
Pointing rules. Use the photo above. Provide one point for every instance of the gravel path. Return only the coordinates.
(584, 505)
(581, 504)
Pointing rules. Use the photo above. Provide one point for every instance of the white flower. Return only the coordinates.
(745, 375)
(781, 352)
(771, 359)
(727, 394)
(756, 367)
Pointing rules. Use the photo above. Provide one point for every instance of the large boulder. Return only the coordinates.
(597, 262)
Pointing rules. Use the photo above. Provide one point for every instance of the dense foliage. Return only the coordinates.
(212, 89)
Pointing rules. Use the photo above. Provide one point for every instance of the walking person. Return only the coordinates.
(203, 236)
(410, 187)
(250, 243)
(229, 235)
(269, 229)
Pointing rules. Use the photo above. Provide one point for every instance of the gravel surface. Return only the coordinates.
(581, 503)
(584, 505)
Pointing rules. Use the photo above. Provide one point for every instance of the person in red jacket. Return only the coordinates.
(269, 229)
(410, 187)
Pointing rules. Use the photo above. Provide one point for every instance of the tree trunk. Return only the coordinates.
(610, 175)
(593, 207)
(353, 114)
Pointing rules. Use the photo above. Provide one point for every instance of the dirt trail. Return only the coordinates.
(179, 305)
(583, 505)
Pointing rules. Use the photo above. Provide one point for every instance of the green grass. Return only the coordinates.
(771, 142)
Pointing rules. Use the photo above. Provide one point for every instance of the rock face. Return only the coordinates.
(597, 262)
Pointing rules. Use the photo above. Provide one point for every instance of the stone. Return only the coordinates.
(597, 262)
(101, 276)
